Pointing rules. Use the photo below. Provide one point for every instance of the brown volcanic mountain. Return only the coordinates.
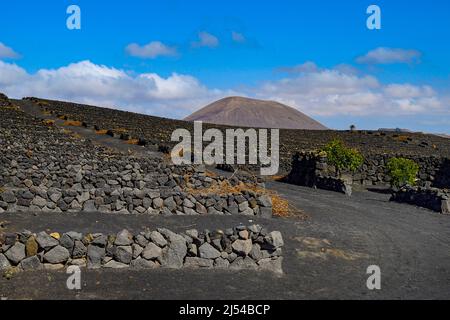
(246, 112)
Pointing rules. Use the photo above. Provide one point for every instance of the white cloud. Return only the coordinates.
(238, 37)
(151, 50)
(85, 82)
(330, 92)
(323, 92)
(206, 40)
(389, 56)
(7, 52)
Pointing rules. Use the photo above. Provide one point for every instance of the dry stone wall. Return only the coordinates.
(242, 247)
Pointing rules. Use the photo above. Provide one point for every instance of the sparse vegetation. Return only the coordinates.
(343, 157)
(402, 171)
(73, 123)
(133, 141)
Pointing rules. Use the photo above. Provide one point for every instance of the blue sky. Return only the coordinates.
(317, 56)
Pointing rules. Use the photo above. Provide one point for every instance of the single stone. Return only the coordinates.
(158, 203)
(28, 183)
(275, 239)
(264, 201)
(4, 262)
(95, 255)
(81, 262)
(67, 242)
(195, 262)
(140, 263)
(221, 263)
(170, 203)
(55, 197)
(244, 234)
(242, 247)
(45, 241)
(123, 238)
(200, 208)
(188, 203)
(58, 254)
(274, 265)
(207, 251)
(243, 206)
(52, 267)
(173, 255)
(75, 235)
(89, 206)
(141, 240)
(137, 250)
(100, 240)
(79, 249)
(31, 263)
(8, 196)
(157, 238)
(16, 253)
(124, 254)
(248, 212)
(243, 263)
(39, 201)
(151, 251)
(193, 233)
(115, 265)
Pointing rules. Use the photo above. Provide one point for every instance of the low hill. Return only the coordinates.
(246, 112)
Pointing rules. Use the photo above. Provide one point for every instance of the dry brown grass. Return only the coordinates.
(277, 178)
(280, 206)
(73, 123)
(103, 131)
(120, 130)
(133, 141)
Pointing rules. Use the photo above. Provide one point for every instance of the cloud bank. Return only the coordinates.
(316, 91)
(85, 82)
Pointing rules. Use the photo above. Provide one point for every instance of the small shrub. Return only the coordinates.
(402, 171)
(342, 157)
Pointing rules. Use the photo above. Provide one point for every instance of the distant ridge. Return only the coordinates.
(246, 112)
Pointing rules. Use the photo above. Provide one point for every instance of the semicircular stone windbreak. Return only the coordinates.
(45, 169)
(243, 247)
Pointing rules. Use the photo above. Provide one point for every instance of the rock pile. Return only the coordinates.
(243, 247)
(157, 131)
(43, 168)
(309, 167)
(431, 198)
